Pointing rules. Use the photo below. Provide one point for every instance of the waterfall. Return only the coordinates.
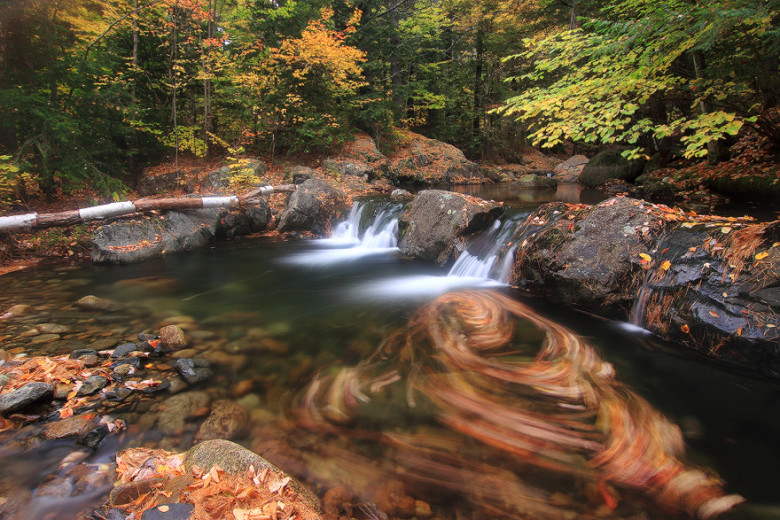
(371, 228)
(487, 248)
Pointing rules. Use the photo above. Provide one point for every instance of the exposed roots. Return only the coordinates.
(557, 409)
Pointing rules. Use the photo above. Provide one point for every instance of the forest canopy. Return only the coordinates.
(90, 90)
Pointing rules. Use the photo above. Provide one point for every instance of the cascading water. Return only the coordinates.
(371, 228)
(488, 251)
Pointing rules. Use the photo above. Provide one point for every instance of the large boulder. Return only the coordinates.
(134, 241)
(590, 258)
(219, 179)
(532, 181)
(430, 162)
(715, 289)
(315, 206)
(610, 164)
(570, 169)
(437, 222)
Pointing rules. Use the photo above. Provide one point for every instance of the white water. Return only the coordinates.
(474, 268)
(346, 242)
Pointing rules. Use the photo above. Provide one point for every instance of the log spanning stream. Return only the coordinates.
(417, 392)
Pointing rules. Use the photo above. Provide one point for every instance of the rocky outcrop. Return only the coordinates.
(610, 164)
(316, 206)
(709, 284)
(134, 241)
(167, 182)
(359, 157)
(436, 223)
(420, 160)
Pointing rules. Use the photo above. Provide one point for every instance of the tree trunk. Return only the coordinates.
(396, 76)
(573, 23)
(478, 109)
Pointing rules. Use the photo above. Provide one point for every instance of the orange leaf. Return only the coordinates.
(665, 265)
(714, 314)
(762, 255)
(685, 328)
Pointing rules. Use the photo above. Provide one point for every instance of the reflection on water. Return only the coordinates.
(523, 198)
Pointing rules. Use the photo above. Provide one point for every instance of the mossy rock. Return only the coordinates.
(610, 164)
(535, 182)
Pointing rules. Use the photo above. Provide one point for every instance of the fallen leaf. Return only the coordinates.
(685, 328)
(725, 230)
(645, 257)
(665, 265)
(762, 255)
(714, 314)
(163, 509)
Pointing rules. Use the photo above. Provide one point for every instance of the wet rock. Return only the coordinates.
(175, 511)
(401, 195)
(145, 337)
(227, 420)
(590, 261)
(93, 438)
(27, 395)
(535, 182)
(82, 352)
(173, 337)
(44, 338)
(315, 207)
(437, 222)
(17, 311)
(4, 380)
(118, 395)
(102, 344)
(92, 385)
(135, 241)
(181, 408)
(610, 164)
(60, 487)
(93, 303)
(52, 328)
(161, 386)
(124, 349)
(194, 371)
(235, 460)
(76, 426)
(124, 494)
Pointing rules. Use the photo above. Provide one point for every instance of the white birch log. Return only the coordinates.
(31, 221)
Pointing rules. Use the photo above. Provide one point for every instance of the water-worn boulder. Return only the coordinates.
(590, 259)
(315, 207)
(430, 162)
(436, 223)
(235, 460)
(134, 241)
(715, 289)
(227, 420)
(570, 169)
(610, 164)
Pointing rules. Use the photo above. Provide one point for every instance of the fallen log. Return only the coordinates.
(32, 221)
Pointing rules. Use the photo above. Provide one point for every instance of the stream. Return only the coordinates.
(282, 322)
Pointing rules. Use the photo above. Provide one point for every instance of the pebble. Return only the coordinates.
(28, 333)
(16, 311)
(173, 337)
(22, 397)
(118, 395)
(103, 344)
(76, 426)
(143, 336)
(194, 371)
(92, 385)
(44, 338)
(228, 420)
(93, 438)
(58, 488)
(186, 353)
(241, 388)
(93, 303)
(124, 349)
(82, 352)
(52, 328)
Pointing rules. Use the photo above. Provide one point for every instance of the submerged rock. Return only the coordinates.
(315, 206)
(535, 182)
(436, 222)
(227, 420)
